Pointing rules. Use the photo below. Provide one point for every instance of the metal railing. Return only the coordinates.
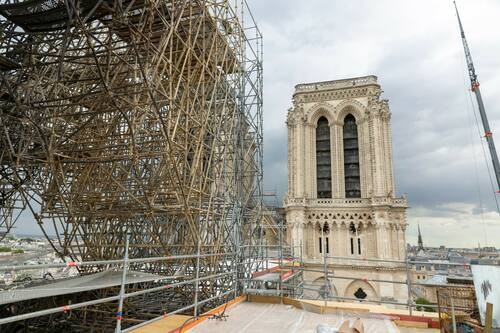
(329, 261)
(286, 257)
(122, 295)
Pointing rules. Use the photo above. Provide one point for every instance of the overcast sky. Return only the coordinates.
(414, 48)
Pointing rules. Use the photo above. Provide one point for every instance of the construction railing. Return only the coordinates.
(285, 261)
(288, 258)
(191, 278)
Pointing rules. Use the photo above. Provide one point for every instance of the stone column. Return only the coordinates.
(388, 155)
(300, 159)
(308, 173)
(379, 232)
(402, 242)
(300, 239)
(315, 241)
(345, 241)
(310, 243)
(371, 241)
(364, 159)
(395, 241)
(340, 160)
(291, 159)
(333, 238)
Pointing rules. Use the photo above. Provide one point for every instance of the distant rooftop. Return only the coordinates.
(336, 84)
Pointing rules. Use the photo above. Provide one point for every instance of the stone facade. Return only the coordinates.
(355, 214)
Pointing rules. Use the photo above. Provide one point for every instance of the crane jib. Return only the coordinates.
(477, 92)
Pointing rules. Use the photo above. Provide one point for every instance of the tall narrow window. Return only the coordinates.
(351, 158)
(352, 245)
(327, 246)
(320, 246)
(323, 159)
(359, 245)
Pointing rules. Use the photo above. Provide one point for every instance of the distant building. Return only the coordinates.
(428, 288)
(341, 194)
(420, 241)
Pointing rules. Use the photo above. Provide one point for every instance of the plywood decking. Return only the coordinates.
(165, 325)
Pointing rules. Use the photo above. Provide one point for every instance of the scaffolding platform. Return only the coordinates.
(106, 279)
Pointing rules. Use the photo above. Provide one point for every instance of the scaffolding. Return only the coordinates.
(136, 121)
(457, 308)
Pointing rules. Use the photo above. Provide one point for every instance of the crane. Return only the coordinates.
(475, 88)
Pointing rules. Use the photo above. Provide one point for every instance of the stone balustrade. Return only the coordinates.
(348, 202)
(356, 263)
(336, 84)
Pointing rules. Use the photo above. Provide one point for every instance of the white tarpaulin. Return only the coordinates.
(248, 317)
(487, 285)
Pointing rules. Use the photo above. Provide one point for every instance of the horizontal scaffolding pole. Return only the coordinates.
(384, 302)
(350, 277)
(398, 261)
(111, 262)
(356, 278)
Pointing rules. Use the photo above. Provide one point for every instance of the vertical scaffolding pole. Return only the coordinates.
(408, 283)
(197, 282)
(119, 313)
(439, 309)
(281, 257)
(453, 319)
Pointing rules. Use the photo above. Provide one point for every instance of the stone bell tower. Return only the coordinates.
(341, 195)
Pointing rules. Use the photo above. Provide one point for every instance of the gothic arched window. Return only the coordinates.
(351, 158)
(355, 235)
(323, 159)
(324, 232)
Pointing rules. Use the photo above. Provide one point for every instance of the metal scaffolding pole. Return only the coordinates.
(136, 117)
(119, 313)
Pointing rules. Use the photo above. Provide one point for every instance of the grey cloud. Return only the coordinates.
(417, 55)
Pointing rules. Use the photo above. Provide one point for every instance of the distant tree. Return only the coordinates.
(18, 251)
(423, 301)
(5, 249)
(10, 237)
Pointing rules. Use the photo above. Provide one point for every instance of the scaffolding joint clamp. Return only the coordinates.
(119, 315)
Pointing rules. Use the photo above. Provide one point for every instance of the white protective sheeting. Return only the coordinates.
(250, 317)
(487, 285)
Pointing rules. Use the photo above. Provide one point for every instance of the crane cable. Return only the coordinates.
(485, 156)
(471, 108)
